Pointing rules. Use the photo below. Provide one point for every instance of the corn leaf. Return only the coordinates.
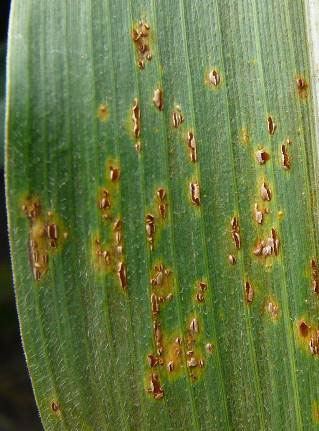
(161, 174)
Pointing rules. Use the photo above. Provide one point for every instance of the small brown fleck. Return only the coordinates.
(178, 341)
(262, 156)
(201, 363)
(285, 159)
(195, 193)
(231, 259)
(114, 173)
(121, 272)
(214, 77)
(192, 146)
(158, 99)
(102, 112)
(249, 293)
(271, 125)
(303, 329)
(265, 192)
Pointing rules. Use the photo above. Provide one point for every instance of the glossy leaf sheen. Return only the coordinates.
(86, 339)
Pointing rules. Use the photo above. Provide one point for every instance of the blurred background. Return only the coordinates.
(17, 407)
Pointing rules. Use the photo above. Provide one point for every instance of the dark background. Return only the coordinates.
(17, 407)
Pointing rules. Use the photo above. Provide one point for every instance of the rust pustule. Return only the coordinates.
(192, 146)
(262, 156)
(273, 309)
(235, 232)
(102, 112)
(136, 118)
(121, 272)
(177, 117)
(158, 99)
(201, 288)
(162, 205)
(302, 87)
(150, 229)
(155, 387)
(55, 406)
(314, 276)
(114, 173)
(285, 159)
(209, 347)
(304, 329)
(195, 193)
(265, 192)
(231, 259)
(153, 361)
(52, 234)
(214, 77)
(105, 202)
(314, 343)
(155, 304)
(170, 366)
(193, 326)
(259, 215)
(249, 292)
(161, 194)
(271, 125)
